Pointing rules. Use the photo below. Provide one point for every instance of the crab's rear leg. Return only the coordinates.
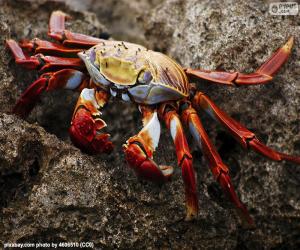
(41, 62)
(184, 159)
(58, 32)
(63, 79)
(37, 46)
(219, 169)
(139, 149)
(86, 123)
(245, 137)
(262, 75)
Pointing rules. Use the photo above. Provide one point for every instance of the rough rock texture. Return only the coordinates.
(121, 16)
(50, 191)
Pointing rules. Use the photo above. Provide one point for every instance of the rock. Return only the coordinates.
(51, 192)
(121, 16)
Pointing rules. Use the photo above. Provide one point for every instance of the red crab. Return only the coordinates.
(99, 69)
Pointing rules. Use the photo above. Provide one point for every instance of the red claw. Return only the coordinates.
(84, 133)
(144, 166)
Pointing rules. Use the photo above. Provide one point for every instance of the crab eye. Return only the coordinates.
(145, 77)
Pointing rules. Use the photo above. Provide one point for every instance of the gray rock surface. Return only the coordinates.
(50, 191)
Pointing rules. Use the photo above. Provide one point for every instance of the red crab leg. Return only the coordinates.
(42, 62)
(20, 57)
(58, 32)
(245, 137)
(219, 169)
(262, 75)
(185, 161)
(66, 78)
(86, 123)
(40, 46)
(139, 149)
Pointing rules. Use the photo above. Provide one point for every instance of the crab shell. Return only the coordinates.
(142, 75)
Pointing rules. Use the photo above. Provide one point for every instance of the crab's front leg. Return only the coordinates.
(139, 149)
(86, 123)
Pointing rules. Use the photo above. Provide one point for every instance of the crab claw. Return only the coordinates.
(145, 167)
(84, 133)
(140, 148)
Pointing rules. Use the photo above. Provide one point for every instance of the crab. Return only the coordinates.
(159, 86)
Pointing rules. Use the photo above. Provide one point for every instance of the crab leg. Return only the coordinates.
(58, 32)
(86, 123)
(40, 61)
(139, 149)
(66, 78)
(219, 169)
(262, 75)
(184, 159)
(40, 46)
(245, 137)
